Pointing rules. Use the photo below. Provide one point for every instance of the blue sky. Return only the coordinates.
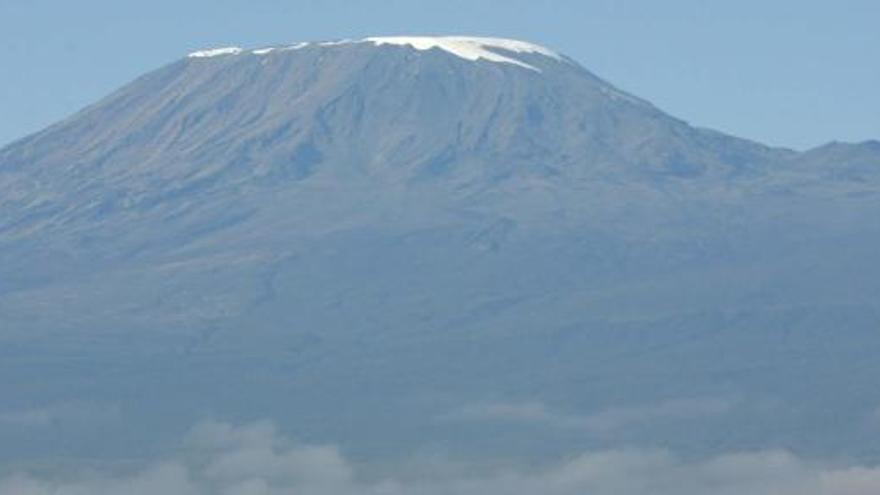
(789, 73)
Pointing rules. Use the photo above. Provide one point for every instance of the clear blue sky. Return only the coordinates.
(790, 73)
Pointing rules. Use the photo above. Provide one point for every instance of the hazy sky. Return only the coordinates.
(794, 73)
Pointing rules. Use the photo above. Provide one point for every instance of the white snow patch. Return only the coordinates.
(337, 42)
(470, 48)
(268, 50)
(296, 46)
(216, 52)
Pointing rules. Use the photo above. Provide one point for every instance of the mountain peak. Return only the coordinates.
(409, 110)
(473, 48)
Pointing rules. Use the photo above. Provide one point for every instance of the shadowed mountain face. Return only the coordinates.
(402, 245)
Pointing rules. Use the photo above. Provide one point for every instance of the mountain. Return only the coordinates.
(843, 161)
(396, 243)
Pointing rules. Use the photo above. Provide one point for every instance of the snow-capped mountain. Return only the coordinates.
(363, 238)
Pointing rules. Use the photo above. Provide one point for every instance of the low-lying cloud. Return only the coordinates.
(223, 459)
(604, 421)
(63, 412)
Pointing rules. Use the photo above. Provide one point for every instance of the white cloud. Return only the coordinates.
(221, 459)
(677, 409)
(530, 412)
(166, 479)
(68, 411)
(603, 421)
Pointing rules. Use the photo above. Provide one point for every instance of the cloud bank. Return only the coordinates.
(61, 412)
(604, 421)
(255, 459)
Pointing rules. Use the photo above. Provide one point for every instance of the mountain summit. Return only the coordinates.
(362, 239)
(466, 47)
(402, 108)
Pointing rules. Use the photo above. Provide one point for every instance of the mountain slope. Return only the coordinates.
(351, 111)
(391, 107)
